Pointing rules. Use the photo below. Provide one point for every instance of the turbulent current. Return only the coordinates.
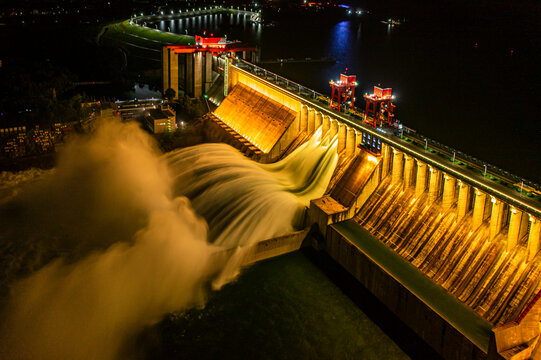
(117, 235)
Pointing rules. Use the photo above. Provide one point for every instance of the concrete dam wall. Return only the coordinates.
(495, 282)
(259, 119)
(456, 259)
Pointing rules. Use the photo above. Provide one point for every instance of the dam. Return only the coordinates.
(451, 248)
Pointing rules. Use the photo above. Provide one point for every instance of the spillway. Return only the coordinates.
(233, 193)
(496, 283)
(258, 118)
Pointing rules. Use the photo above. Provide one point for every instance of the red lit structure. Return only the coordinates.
(191, 70)
(379, 106)
(343, 91)
(214, 45)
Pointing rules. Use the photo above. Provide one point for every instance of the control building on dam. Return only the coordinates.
(451, 250)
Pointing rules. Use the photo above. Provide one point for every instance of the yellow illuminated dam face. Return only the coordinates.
(471, 259)
(255, 116)
(477, 269)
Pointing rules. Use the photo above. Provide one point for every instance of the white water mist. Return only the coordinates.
(129, 246)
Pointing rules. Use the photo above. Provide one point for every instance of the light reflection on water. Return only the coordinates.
(341, 41)
(441, 77)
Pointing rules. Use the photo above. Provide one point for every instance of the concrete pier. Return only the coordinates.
(208, 72)
(433, 184)
(277, 246)
(463, 200)
(496, 219)
(350, 141)
(398, 164)
(311, 121)
(386, 156)
(326, 125)
(478, 209)
(341, 137)
(198, 75)
(334, 128)
(533, 237)
(318, 119)
(515, 222)
(449, 187)
(173, 63)
(420, 182)
(408, 170)
(165, 68)
(358, 141)
(189, 75)
(303, 118)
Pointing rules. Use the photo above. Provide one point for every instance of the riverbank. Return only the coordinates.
(42, 161)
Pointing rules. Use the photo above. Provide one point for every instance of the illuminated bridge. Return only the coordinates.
(450, 245)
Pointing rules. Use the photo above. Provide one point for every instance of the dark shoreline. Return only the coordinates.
(42, 161)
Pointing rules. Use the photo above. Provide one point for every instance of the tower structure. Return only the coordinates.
(192, 69)
(343, 92)
(379, 107)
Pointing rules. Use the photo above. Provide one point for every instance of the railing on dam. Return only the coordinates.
(459, 156)
(455, 154)
(278, 80)
(486, 177)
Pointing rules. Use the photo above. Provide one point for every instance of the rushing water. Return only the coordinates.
(111, 243)
(233, 193)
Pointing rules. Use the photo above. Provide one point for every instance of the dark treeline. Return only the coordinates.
(36, 93)
(40, 65)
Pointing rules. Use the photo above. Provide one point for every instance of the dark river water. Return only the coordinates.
(282, 308)
(471, 83)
